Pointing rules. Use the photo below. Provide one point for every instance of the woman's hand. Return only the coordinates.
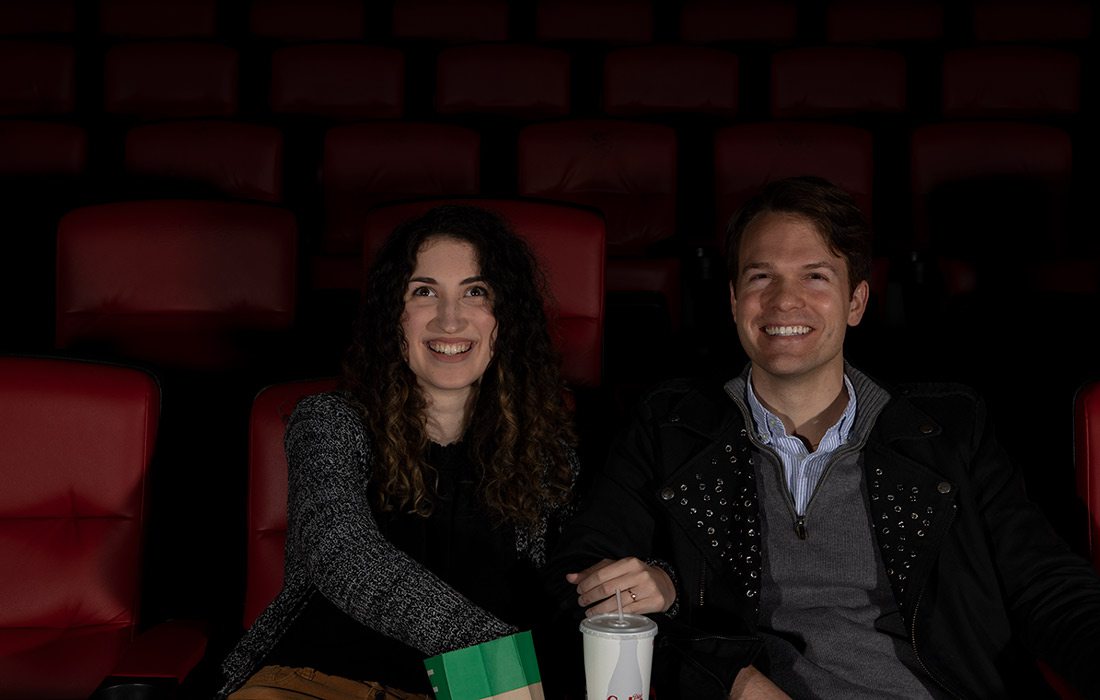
(643, 588)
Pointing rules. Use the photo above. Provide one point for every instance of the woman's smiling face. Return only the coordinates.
(448, 322)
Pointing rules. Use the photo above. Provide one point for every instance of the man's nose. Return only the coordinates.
(786, 294)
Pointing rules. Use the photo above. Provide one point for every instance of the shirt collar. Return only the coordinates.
(770, 428)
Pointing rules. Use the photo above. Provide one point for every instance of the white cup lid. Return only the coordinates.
(609, 625)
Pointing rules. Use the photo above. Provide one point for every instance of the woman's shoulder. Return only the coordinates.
(336, 411)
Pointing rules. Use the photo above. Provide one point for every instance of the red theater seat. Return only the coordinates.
(748, 156)
(37, 17)
(307, 20)
(837, 81)
(761, 21)
(175, 19)
(960, 169)
(189, 284)
(627, 171)
(78, 439)
(267, 490)
(514, 80)
(37, 78)
(569, 244)
(1027, 82)
(342, 81)
(690, 80)
(170, 80)
(368, 164)
(33, 148)
(451, 20)
(1032, 20)
(608, 21)
(870, 21)
(237, 159)
(1086, 430)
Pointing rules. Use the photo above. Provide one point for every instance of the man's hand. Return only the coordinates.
(751, 684)
(644, 588)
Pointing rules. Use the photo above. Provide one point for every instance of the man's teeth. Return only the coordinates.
(786, 330)
(449, 348)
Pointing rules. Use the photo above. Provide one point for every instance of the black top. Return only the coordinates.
(458, 543)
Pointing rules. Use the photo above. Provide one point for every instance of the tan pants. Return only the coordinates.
(285, 683)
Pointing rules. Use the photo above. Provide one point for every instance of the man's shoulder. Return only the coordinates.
(688, 402)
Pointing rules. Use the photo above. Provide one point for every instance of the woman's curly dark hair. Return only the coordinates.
(519, 430)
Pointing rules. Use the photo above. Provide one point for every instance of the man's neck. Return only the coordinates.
(808, 408)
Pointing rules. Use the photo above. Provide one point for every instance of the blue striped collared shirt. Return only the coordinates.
(802, 468)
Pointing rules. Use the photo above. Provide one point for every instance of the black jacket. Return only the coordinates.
(983, 583)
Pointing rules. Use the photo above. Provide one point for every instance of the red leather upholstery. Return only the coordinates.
(178, 283)
(450, 20)
(1011, 82)
(267, 489)
(832, 80)
(77, 441)
(707, 21)
(508, 79)
(569, 244)
(338, 80)
(670, 79)
(868, 21)
(625, 169)
(38, 17)
(163, 18)
(1032, 20)
(748, 156)
(307, 20)
(1086, 431)
(37, 78)
(169, 79)
(367, 164)
(42, 148)
(240, 160)
(942, 155)
(614, 21)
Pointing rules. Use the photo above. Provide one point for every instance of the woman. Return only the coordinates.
(422, 494)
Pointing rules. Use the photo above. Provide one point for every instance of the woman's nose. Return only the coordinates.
(450, 317)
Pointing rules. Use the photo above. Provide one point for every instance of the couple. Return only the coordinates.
(801, 531)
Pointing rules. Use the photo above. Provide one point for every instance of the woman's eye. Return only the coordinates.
(423, 292)
(477, 292)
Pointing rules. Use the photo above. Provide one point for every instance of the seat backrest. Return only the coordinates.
(624, 169)
(267, 489)
(77, 440)
(236, 159)
(42, 148)
(170, 80)
(1031, 20)
(450, 20)
(338, 81)
(569, 245)
(307, 20)
(515, 80)
(366, 164)
(670, 79)
(189, 284)
(748, 156)
(1011, 81)
(603, 21)
(38, 17)
(37, 78)
(827, 81)
(1087, 447)
(763, 21)
(163, 19)
(870, 22)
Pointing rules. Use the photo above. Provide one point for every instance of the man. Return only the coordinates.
(811, 532)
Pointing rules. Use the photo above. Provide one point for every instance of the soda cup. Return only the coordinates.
(618, 656)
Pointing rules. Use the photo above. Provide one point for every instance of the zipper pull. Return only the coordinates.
(800, 527)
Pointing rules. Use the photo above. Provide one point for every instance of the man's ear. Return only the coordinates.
(733, 302)
(858, 304)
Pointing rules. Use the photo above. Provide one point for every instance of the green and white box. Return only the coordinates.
(503, 669)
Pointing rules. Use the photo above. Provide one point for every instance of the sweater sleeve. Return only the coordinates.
(332, 530)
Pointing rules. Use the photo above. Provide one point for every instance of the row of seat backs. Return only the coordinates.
(176, 80)
(206, 285)
(78, 440)
(613, 21)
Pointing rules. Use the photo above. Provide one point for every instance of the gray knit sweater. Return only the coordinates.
(334, 546)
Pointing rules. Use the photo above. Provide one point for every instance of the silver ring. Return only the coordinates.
(633, 597)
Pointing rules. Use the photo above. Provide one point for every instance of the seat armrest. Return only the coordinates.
(169, 650)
